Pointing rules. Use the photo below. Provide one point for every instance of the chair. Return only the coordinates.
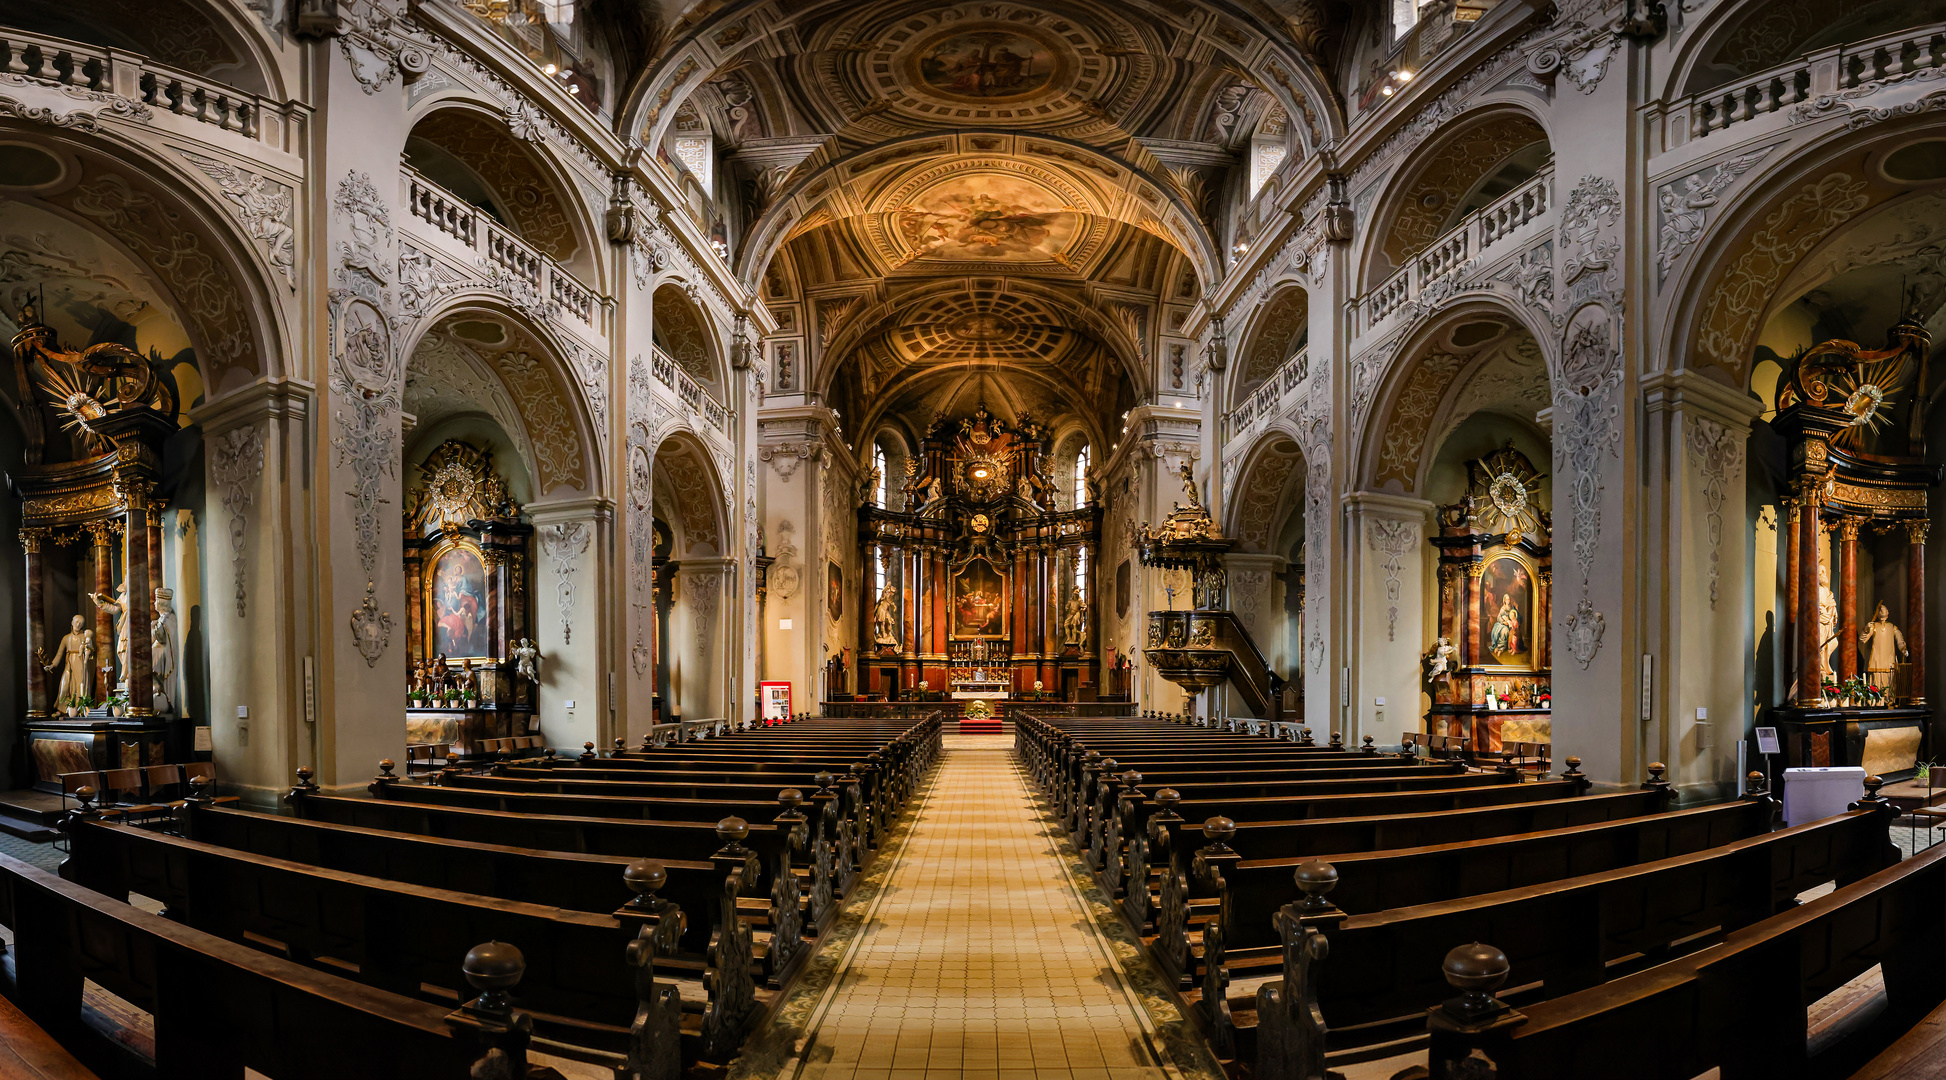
(1927, 812)
(74, 781)
(126, 787)
(163, 783)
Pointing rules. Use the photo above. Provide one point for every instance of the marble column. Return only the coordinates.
(1847, 536)
(104, 555)
(141, 598)
(1809, 665)
(1787, 633)
(1915, 612)
(156, 507)
(31, 540)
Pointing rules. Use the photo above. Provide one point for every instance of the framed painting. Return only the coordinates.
(456, 603)
(1507, 612)
(979, 601)
(834, 591)
(1121, 590)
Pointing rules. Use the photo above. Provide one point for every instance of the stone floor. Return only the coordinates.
(981, 959)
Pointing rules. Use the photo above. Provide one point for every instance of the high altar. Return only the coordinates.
(94, 422)
(1853, 420)
(981, 595)
(1489, 672)
(468, 562)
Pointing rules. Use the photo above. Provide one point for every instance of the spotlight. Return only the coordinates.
(549, 68)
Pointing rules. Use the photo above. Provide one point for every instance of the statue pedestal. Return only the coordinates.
(1885, 742)
(92, 743)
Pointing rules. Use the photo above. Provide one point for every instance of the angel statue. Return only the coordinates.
(1188, 472)
(527, 660)
(1442, 660)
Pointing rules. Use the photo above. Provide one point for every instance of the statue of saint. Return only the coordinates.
(1883, 646)
(1827, 621)
(1074, 622)
(527, 660)
(1188, 472)
(117, 606)
(162, 652)
(885, 617)
(75, 658)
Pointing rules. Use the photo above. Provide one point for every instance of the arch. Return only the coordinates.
(686, 472)
(563, 444)
(1112, 187)
(1403, 413)
(1728, 290)
(683, 331)
(1262, 499)
(463, 143)
(1273, 335)
(888, 395)
(212, 40)
(1732, 41)
(1443, 178)
(158, 214)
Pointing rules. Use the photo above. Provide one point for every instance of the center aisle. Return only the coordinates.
(981, 960)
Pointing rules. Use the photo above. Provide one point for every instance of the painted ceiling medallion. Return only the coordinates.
(982, 327)
(989, 64)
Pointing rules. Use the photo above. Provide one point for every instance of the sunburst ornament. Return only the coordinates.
(1503, 486)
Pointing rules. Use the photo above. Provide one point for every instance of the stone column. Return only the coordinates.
(31, 540)
(1846, 534)
(134, 492)
(104, 622)
(1808, 664)
(1787, 633)
(156, 508)
(1915, 612)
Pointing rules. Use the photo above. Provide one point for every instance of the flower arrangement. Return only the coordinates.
(75, 704)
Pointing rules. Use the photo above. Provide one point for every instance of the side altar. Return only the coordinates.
(1853, 421)
(1489, 673)
(102, 636)
(474, 667)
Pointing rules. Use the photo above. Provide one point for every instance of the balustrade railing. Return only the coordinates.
(688, 390)
(1827, 71)
(1476, 234)
(494, 243)
(132, 76)
(1268, 396)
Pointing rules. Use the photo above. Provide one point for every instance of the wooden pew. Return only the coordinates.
(29, 1053)
(789, 832)
(1566, 935)
(575, 881)
(578, 983)
(220, 1007)
(1737, 1006)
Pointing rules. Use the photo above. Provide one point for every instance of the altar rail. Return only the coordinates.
(54, 61)
(1814, 75)
(495, 244)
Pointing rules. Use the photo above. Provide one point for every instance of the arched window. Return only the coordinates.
(878, 467)
(1081, 479)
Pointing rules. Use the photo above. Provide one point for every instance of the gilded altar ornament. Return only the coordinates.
(1857, 382)
(91, 384)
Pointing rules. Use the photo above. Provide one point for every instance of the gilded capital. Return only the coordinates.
(1847, 529)
(32, 537)
(1915, 530)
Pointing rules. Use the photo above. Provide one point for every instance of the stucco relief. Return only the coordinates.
(262, 206)
(236, 461)
(1393, 539)
(1787, 234)
(564, 543)
(550, 424)
(1410, 419)
(1717, 454)
(1683, 206)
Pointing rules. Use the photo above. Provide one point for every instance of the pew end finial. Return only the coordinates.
(493, 969)
(1575, 776)
(306, 784)
(1476, 971)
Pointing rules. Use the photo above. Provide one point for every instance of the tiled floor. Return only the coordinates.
(980, 962)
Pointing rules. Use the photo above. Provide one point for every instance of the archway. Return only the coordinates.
(695, 582)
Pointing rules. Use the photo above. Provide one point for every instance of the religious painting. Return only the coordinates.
(1507, 612)
(979, 601)
(456, 604)
(986, 217)
(1121, 590)
(986, 64)
(834, 599)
